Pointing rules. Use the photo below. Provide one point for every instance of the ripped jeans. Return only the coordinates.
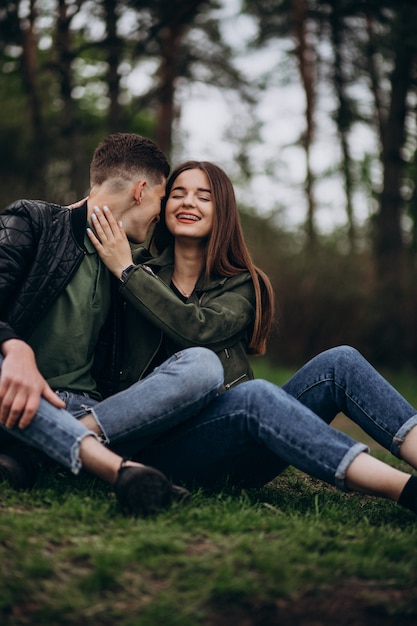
(173, 392)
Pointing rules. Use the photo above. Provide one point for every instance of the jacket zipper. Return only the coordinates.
(235, 381)
(152, 357)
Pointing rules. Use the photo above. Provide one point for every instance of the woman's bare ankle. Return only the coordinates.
(90, 422)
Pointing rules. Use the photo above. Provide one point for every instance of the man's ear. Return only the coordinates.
(138, 191)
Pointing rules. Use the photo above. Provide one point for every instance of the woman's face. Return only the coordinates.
(189, 208)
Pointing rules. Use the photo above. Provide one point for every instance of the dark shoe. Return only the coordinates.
(142, 490)
(18, 467)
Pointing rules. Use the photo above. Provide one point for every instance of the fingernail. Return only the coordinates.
(96, 209)
(89, 231)
(105, 208)
(95, 218)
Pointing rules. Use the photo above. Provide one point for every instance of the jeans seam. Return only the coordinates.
(361, 408)
(306, 451)
(332, 379)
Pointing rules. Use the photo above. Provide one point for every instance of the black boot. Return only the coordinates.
(142, 490)
(19, 466)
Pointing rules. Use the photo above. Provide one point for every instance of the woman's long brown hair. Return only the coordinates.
(227, 253)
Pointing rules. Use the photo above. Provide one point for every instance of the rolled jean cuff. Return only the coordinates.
(401, 434)
(350, 456)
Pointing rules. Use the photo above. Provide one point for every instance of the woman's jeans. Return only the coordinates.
(255, 430)
(172, 393)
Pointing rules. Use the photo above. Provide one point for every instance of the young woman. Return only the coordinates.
(212, 294)
(204, 290)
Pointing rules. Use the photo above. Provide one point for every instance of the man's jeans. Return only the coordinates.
(172, 393)
(252, 432)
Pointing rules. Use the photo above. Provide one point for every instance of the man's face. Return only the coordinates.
(137, 221)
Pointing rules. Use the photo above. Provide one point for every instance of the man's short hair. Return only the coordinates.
(126, 156)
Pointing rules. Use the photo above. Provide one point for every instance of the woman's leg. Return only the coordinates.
(258, 426)
(373, 477)
(341, 380)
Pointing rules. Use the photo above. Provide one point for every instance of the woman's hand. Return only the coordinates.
(110, 241)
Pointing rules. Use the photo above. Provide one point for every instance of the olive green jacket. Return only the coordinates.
(218, 315)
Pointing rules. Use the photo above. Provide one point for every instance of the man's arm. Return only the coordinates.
(22, 385)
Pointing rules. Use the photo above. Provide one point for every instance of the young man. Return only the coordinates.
(60, 334)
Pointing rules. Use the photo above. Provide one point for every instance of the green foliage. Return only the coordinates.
(328, 296)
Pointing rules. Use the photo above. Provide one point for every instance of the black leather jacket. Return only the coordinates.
(41, 246)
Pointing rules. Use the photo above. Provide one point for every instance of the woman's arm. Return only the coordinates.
(216, 320)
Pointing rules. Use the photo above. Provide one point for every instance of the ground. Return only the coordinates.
(354, 604)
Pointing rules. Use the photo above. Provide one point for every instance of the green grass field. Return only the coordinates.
(295, 552)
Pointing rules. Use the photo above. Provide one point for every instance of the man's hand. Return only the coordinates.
(22, 385)
(77, 204)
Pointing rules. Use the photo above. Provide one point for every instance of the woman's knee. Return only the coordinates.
(344, 352)
(262, 392)
(343, 355)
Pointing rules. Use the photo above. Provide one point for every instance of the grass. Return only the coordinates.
(295, 552)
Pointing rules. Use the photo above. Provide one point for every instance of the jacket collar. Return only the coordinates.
(78, 219)
(163, 265)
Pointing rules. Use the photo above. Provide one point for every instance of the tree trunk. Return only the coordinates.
(343, 119)
(168, 72)
(388, 243)
(113, 47)
(70, 126)
(174, 18)
(306, 64)
(31, 83)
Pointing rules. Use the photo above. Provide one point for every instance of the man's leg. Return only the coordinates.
(140, 490)
(175, 391)
(54, 432)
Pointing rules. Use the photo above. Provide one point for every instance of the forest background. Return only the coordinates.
(72, 71)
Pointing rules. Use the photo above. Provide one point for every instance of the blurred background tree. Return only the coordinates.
(66, 74)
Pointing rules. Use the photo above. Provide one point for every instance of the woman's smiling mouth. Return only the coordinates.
(188, 217)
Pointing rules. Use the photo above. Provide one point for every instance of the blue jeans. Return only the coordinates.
(173, 392)
(252, 432)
